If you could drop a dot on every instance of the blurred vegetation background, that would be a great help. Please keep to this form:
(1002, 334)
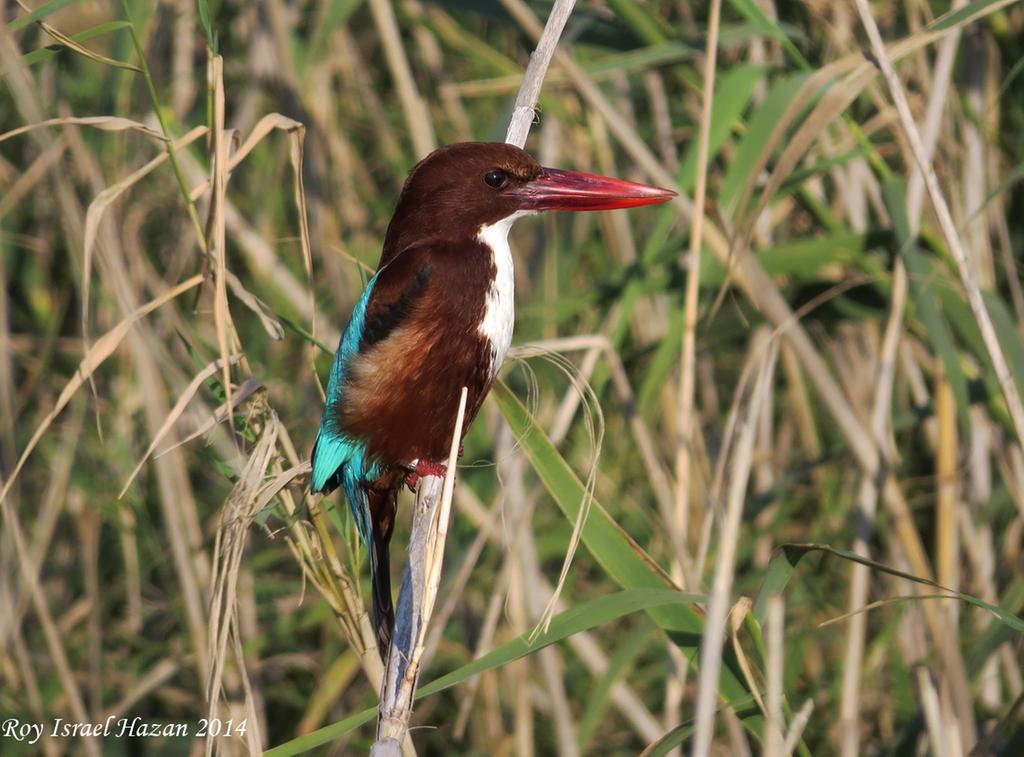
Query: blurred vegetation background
(176, 308)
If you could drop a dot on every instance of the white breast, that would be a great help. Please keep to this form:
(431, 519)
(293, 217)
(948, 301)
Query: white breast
(499, 305)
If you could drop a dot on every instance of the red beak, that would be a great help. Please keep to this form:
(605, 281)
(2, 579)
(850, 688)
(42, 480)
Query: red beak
(556, 189)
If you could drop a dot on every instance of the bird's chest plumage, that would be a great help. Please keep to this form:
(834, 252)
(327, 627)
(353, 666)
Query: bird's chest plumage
(499, 303)
(402, 392)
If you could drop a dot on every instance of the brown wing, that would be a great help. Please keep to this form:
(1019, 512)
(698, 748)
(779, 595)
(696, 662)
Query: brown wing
(421, 344)
(399, 287)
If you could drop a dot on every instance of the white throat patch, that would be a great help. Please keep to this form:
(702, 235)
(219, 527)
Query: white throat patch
(499, 306)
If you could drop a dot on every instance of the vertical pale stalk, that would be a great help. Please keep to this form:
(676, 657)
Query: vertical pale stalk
(932, 120)
(511, 469)
(774, 724)
(867, 505)
(687, 372)
(548, 661)
(718, 606)
(216, 238)
(51, 633)
(929, 698)
(849, 703)
(322, 565)
(956, 247)
(583, 644)
(431, 513)
(183, 88)
(951, 656)
(975, 136)
(417, 115)
(679, 525)
(947, 560)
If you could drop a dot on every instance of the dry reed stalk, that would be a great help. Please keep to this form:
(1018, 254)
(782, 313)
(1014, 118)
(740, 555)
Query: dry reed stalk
(237, 515)
(849, 706)
(88, 525)
(18, 653)
(431, 513)
(932, 710)
(774, 723)
(106, 123)
(584, 644)
(939, 89)
(751, 363)
(48, 514)
(342, 672)
(596, 346)
(258, 254)
(102, 349)
(517, 504)
(654, 83)
(178, 507)
(322, 565)
(951, 656)
(719, 602)
(216, 235)
(530, 607)
(431, 54)
(457, 585)
(177, 503)
(678, 522)
(1010, 268)
(692, 264)
(172, 417)
(183, 86)
(417, 115)
(524, 111)
(148, 682)
(488, 628)
(27, 180)
(947, 501)
(51, 633)
(949, 231)
(976, 134)
(175, 495)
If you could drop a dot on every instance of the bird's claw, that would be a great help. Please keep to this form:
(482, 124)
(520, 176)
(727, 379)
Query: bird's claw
(425, 468)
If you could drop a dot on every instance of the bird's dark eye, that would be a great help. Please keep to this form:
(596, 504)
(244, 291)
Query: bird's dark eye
(495, 179)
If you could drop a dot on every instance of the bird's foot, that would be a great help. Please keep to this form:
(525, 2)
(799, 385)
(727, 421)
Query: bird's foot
(424, 468)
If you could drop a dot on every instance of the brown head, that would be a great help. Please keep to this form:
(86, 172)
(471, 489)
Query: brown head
(458, 189)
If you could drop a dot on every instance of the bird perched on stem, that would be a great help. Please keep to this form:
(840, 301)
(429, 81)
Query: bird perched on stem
(437, 316)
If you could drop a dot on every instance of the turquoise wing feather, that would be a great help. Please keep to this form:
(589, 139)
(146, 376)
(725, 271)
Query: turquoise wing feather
(339, 459)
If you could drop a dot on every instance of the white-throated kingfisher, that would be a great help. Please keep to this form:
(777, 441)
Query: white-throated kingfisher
(437, 316)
